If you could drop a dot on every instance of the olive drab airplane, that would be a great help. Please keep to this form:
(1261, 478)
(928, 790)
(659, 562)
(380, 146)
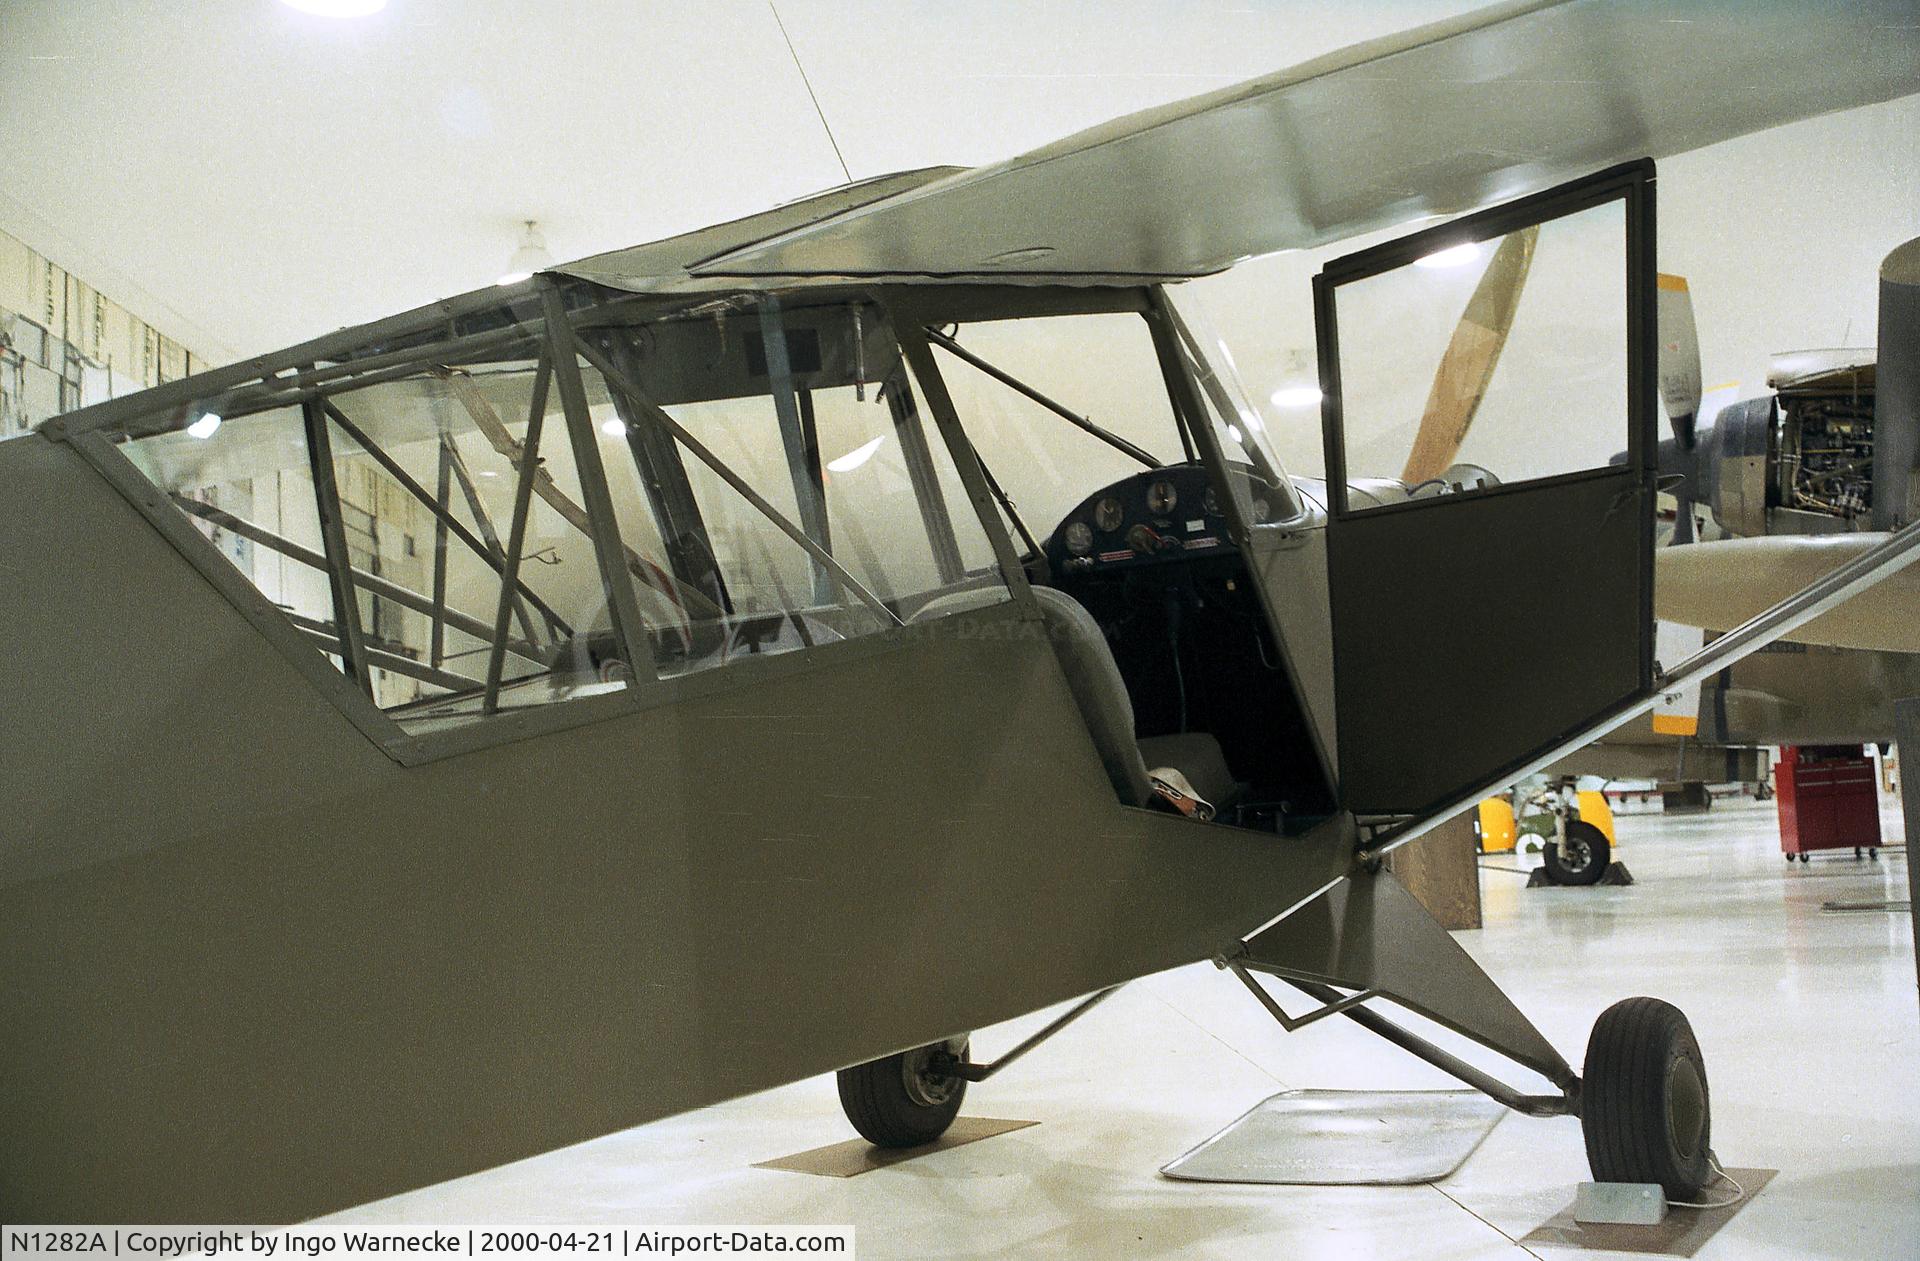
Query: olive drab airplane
(789, 646)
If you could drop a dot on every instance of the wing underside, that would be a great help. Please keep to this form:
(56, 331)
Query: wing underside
(1439, 120)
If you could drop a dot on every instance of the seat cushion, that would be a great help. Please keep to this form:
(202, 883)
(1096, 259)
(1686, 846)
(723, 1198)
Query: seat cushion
(1197, 755)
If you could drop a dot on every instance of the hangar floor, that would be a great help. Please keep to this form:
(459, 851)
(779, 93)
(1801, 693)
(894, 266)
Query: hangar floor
(1807, 1019)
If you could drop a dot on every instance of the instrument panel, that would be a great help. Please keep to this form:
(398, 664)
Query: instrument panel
(1154, 516)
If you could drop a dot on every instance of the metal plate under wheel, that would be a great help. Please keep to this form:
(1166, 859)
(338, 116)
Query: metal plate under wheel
(1345, 1138)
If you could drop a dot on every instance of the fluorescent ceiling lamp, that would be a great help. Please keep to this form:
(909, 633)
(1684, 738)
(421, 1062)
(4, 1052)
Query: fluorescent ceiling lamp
(1233, 431)
(1296, 396)
(856, 457)
(337, 8)
(206, 426)
(614, 428)
(1452, 256)
(530, 257)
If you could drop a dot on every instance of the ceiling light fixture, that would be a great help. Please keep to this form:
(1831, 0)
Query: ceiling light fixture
(206, 426)
(614, 428)
(1452, 256)
(337, 8)
(856, 457)
(530, 257)
(1296, 396)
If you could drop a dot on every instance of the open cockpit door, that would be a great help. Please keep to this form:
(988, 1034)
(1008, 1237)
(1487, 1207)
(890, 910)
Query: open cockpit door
(1489, 546)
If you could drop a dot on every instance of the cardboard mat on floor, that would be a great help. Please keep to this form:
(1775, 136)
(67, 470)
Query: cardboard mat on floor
(857, 1156)
(1681, 1235)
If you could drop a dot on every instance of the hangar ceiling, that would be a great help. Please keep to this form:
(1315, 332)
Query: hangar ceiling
(255, 175)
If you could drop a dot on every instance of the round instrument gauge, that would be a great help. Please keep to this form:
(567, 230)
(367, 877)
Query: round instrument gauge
(1108, 514)
(1079, 538)
(1161, 498)
(1211, 502)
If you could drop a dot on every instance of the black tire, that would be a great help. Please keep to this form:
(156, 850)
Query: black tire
(905, 1100)
(1591, 854)
(1644, 1106)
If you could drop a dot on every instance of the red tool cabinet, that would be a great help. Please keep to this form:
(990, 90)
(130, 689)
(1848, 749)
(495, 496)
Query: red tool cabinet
(1828, 799)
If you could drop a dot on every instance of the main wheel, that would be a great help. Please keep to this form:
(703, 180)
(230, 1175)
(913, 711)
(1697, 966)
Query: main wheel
(1643, 1102)
(908, 1099)
(1588, 858)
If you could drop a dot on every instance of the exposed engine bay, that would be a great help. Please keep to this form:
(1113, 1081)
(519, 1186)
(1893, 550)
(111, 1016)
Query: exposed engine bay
(1800, 460)
(1826, 442)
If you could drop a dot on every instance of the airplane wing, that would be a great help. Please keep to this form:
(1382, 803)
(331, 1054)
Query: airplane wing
(1721, 584)
(1438, 120)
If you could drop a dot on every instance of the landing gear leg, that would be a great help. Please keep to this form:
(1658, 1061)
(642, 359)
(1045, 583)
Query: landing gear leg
(1577, 853)
(1643, 1102)
(1581, 858)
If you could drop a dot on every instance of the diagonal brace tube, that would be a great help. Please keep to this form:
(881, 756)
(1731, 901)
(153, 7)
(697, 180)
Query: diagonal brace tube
(1061, 410)
(1293, 1024)
(1567, 1104)
(495, 554)
(443, 519)
(372, 583)
(658, 416)
(980, 1072)
(517, 532)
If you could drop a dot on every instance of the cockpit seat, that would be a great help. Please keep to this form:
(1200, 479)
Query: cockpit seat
(1197, 755)
(1101, 693)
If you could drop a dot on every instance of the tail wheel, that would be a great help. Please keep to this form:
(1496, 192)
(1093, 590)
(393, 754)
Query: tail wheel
(908, 1099)
(1587, 857)
(1643, 1102)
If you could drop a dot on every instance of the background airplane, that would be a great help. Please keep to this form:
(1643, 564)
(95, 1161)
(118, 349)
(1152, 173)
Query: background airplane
(1779, 489)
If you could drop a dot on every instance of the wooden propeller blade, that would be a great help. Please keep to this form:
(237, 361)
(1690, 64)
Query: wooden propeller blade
(1467, 367)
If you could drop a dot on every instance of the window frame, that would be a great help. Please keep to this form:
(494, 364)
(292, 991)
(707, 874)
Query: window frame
(1630, 183)
(918, 309)
(554, 326)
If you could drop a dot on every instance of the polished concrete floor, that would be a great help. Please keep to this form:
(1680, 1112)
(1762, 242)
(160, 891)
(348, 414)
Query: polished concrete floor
(1807, 1019)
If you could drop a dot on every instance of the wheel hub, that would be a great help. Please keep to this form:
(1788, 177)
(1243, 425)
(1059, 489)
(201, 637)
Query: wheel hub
(1686, 1106)
(927, 1071)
